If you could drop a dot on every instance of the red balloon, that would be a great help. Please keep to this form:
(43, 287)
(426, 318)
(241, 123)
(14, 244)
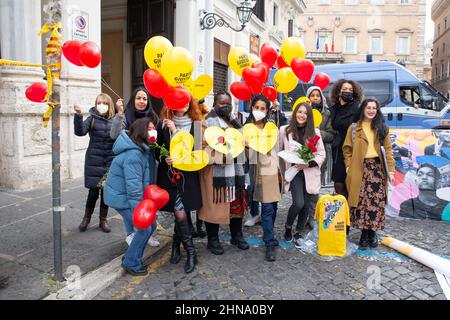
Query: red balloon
(155, 83)
(255, 77)
(281, 63)
(159, 196)
(176, 98)
(144, 214)
(268, 55)
(322, 80)
(241, 90)
(70, 50)
(36, 92)
(303, 68)
(266, 68)
(90, 54)
(270, 93)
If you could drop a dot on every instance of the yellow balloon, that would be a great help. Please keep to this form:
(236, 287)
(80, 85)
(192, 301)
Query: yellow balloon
(292, 48)
(200, 87)
(183, 157)
(238, 59)
(177, 66)
(285, 80)
(300, 100)
(154, 50)
(261, 140)
(317, 118)
(253, 58)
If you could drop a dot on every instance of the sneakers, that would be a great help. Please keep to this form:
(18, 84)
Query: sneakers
(153, 242)
(137, 273)
(251, 221)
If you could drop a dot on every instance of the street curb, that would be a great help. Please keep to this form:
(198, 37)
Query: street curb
(92, 283)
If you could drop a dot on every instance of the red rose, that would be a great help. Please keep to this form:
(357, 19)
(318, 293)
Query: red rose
(316, 139)
(221, 140)
(152, 139)
(313, 149)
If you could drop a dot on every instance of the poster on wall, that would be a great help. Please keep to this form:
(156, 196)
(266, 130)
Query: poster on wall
(421, 186)
(80, 25)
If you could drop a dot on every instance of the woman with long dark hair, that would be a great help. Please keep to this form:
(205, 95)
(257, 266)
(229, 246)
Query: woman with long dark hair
(367, 175)
(346, 96)
(306, 184)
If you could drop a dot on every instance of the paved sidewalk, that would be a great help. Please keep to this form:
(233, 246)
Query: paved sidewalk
(26, 246)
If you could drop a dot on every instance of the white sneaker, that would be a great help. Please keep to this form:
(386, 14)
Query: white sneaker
(129, 238)
(153, 242)
(251, 221)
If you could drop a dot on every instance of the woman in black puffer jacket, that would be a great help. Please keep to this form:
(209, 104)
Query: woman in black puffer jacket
(99, 154)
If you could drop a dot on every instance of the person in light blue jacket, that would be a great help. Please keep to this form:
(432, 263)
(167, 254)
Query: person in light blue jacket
(131, 171)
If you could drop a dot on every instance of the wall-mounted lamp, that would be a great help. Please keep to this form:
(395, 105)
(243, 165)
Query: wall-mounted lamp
(208, 20)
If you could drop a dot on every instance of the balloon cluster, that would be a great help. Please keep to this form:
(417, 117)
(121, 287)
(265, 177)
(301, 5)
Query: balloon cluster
(169, 76)
(291, 63)
(145, 212)
(82, 54)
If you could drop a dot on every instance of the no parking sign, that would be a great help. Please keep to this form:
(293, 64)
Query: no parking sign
(80, 26)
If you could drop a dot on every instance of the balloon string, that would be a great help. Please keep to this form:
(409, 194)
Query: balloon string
(109, 87)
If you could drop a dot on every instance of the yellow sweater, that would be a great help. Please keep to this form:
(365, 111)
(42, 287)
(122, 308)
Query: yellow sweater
(370, 134)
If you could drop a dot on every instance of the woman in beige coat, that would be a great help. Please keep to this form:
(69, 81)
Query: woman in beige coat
(367, 174)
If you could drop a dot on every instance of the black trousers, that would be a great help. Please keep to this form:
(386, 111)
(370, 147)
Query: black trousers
(93, 195)
(212, 229)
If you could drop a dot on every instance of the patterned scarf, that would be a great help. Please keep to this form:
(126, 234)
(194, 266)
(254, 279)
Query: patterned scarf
(182, 123)
(228, 178)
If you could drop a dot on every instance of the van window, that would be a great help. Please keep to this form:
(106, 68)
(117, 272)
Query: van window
(378, 89)
(410, 95)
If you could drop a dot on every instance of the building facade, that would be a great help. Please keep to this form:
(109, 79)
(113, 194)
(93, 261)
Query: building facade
(344, 31)
(440, 14)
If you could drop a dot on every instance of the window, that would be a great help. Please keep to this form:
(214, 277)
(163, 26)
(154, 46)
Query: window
(324, 1)
(322, 41)
(350, 44)
(258, 10)
(403, 45)
(376, 45)
(436, 74)
(275, 15)
(437, 52)
(376, 2)
(439, 29)
(351, 2)
(448, 68)
(442, 71)
(445, 24)
(290, 28)
(443, 48)
(379, 89)
(405, 1)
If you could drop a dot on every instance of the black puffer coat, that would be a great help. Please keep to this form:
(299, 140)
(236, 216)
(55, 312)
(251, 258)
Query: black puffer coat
(99, 153)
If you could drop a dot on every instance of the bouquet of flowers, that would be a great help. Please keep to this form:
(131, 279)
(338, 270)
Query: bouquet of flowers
(163, 152)
(306, 152)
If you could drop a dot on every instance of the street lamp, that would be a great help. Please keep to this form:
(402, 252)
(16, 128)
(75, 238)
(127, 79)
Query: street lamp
(208, 20)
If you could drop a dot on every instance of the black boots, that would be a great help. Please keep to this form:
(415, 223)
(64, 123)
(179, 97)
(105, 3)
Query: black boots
(175, 256)
(364, 240)
(373, 239)
(103, 224)
(186, 238)
(270, 253)
(86, 219)
(237, 238)
(200, 231)
(214, 246)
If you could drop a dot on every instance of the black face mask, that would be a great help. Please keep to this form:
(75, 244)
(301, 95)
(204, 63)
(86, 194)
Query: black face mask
(224, 111)
(347, 96)
(317, 106)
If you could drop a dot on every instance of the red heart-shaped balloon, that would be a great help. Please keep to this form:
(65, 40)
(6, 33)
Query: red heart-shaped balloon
(144, 214)
(268, 55)
(303, 68)
(270, 93)
(254, 75)
(159, 196)
(90, 54)
(71, 50)
(241, 90)
(281, 63)
(322, 80)
(176, 98)
(155, 83)
(36, 92)
(264, 66)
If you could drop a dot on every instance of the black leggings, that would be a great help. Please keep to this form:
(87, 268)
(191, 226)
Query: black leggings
(92, 198)
(303, 203)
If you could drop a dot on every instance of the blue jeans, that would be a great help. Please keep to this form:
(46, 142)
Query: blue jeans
(133, 256)
(127, 222)
(268, 215)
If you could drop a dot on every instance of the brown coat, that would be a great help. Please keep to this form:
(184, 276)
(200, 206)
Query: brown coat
(267, 186)
(354, 160)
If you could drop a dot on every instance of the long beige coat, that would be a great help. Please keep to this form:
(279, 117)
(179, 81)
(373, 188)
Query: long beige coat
(267, 184)
(354, 154)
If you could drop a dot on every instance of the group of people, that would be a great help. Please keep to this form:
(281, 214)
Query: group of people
(224, 190)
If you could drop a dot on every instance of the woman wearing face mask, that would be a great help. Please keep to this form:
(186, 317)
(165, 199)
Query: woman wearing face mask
(345, 96)
(184, 193)
(263, 171)
(99, 154)
(222, 183)
(305, 186)
(132, 170)
(367, 177)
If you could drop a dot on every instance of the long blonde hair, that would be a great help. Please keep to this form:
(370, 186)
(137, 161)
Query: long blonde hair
(106, 98)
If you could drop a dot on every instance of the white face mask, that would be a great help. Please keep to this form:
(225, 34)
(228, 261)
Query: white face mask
(153, 133)
(102, 108)
(258, 115)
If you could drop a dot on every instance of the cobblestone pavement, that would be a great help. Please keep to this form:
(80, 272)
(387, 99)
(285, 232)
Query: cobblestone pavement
(295, 274)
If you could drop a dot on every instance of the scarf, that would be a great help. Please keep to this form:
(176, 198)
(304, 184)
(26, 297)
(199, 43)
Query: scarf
(183, 123)
(228, 178)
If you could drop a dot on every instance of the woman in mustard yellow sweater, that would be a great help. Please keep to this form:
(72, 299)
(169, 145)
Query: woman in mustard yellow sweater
(367, 175)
